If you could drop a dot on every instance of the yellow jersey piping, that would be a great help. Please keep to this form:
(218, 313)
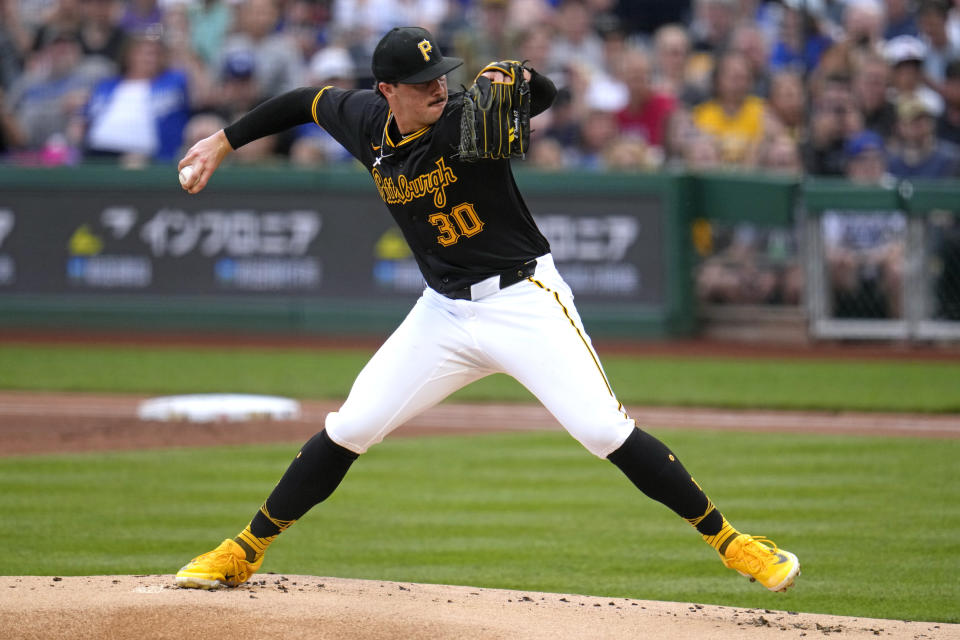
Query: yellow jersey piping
(313, 107)
(413, 136)
(583, 339)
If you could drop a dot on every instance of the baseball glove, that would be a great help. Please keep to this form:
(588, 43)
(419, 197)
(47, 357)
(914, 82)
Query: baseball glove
(496, 115)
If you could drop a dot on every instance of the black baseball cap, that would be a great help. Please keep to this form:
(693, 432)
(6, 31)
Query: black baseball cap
(410, 55)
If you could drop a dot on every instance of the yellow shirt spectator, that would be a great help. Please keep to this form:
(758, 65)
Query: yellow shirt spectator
(738, 133)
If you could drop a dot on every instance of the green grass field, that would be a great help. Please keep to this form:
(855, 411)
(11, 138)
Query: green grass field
(874, 520)
(865, 385)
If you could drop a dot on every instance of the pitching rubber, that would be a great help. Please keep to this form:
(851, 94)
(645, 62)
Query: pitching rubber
(191, 582)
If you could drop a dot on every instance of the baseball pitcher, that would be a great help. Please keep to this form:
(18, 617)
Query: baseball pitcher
(494, 301)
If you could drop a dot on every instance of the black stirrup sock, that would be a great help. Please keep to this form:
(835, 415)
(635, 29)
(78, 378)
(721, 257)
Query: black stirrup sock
(309, 480)
(658, 473)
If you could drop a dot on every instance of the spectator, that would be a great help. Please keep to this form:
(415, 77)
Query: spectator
(181, 56)
(943, 232)
(199, 127)
(941, 48)
(905, 55)
(630, 154)
(779, 154)
(47, 99)
(863, 23)
(576, 41)
(426, 13)
(765, 15)
(748, 40)
(713, 24)
(948, 124)
(900, 20)
(278, 66)
(614, 40)
(787, 104)
(100, 33)
(866, 159)
(547, 155)
(358, 24)
(710, 29)
(748, 264)
(865, 264)
(701, 153)
(482, 39)
(140, 114)
(733, 116)
(859, 38)
(238, 89)
(864, 251)
(744, 263)
(534, 45)
(11, 137)
(526, 14)
(597, 132)
(870, 82)
(647, 112)
(917, 151)
(801, 41)
(305, 21)
(953, 20)
(671, 51)
(834, 119)
(64, 16)
(603, 90)
(13, 43)
(140, 16)
(210, 21)
(332, 66)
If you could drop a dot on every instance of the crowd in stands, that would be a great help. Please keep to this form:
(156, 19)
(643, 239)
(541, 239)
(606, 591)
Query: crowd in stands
(862, 88)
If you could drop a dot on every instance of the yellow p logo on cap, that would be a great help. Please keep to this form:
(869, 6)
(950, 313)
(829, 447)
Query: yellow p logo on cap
(425, 48)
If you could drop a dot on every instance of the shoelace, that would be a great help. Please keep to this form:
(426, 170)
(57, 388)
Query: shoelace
(755, 553)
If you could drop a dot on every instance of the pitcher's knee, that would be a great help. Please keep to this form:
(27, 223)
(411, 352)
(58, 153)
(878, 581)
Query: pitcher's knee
(602, 440)
(355, 435)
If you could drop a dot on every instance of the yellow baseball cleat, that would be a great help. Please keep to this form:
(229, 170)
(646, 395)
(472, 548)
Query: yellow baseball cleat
(224, 566)
(759, 559)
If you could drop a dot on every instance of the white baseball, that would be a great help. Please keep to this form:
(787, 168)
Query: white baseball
(186, 175)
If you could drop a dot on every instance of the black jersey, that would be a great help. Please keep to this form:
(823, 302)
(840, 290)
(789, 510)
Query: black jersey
(464, 221)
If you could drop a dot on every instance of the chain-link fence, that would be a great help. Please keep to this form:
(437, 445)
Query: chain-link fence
(883, 263)
(864, 261)
(846, 260)
(746, 264)
(942, 266)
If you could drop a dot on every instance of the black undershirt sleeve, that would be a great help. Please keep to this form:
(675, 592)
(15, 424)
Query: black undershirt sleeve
(273, 116)
(295, 108)
(542, 93)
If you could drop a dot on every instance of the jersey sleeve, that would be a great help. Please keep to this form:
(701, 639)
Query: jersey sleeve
(273, 116)
(347, 115)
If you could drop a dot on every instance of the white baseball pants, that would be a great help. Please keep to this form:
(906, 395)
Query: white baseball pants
(530, 331)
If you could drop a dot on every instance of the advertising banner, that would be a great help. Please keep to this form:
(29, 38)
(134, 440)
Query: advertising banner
(342, 245)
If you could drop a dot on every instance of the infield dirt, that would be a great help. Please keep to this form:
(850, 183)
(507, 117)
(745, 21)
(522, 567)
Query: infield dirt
(289, 606)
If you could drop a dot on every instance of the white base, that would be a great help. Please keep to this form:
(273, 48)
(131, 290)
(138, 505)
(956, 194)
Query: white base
(219, 407)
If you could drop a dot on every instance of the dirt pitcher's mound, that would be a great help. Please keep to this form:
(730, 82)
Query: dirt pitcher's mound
(278, 606)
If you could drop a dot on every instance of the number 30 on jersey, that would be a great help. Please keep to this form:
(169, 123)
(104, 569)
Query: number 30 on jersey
(461, 222)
